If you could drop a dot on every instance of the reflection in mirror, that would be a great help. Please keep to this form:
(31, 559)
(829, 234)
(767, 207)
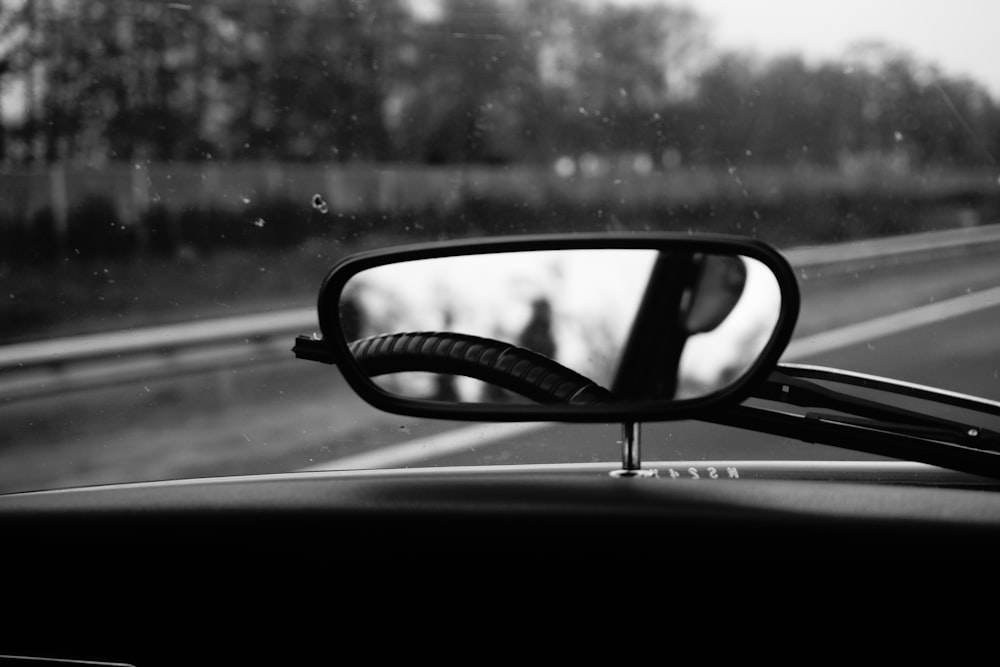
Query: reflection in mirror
(563, 326)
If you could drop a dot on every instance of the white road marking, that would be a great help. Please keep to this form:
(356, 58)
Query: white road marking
(432, 446)
(483, 434)
(891, 324)
(890, 246)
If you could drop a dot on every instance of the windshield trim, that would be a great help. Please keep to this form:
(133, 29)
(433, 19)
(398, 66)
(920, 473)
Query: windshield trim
(749, 470)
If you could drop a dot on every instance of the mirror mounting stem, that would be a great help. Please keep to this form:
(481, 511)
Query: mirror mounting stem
(631, 458)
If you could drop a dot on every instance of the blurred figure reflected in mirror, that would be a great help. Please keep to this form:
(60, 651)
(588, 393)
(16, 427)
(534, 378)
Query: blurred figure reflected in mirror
(537, 334)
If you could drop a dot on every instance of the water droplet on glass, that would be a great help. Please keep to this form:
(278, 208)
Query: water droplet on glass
(565, 167)
(319, 204)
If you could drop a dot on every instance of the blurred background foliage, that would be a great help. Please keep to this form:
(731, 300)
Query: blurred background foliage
(152, 130)
(480, 81)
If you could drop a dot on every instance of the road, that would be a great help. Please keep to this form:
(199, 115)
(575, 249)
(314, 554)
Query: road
(293, 415)
(966, 358)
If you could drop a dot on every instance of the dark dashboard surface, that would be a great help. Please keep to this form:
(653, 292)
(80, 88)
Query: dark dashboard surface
(520, 508)
(224, 569)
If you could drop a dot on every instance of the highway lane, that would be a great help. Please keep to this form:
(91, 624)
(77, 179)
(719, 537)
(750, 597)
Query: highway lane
(293, 414)
(959, 354)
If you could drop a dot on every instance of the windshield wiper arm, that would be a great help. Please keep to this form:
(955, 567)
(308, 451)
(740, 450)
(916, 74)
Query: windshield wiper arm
(786, 385)
(880, 429)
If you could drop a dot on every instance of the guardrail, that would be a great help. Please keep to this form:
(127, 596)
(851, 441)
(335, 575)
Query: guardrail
(31, 370)
(45, 368)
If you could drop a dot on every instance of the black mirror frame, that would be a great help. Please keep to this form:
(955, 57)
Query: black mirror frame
(333, 339)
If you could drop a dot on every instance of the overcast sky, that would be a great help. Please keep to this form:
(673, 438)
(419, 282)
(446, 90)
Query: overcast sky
(961, 36)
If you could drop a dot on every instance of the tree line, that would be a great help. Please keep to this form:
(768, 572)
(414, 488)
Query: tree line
(479, 81)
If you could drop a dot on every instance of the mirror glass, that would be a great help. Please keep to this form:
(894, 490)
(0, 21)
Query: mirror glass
(573, 326)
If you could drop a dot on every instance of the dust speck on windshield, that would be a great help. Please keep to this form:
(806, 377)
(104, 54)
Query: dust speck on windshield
(319, 204)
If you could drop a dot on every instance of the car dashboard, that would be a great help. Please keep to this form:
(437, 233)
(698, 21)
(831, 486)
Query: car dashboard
(152, 573)
(511, 509)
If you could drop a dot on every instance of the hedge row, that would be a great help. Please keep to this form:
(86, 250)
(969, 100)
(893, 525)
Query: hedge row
(94, 228)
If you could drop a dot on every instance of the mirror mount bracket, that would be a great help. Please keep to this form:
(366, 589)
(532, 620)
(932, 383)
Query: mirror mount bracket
(312, 348)
(631, 457)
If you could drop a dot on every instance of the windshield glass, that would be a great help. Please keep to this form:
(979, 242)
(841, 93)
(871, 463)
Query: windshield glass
(176, 179)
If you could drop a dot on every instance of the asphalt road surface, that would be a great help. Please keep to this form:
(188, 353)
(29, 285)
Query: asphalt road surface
(296, 415)
(960, 354)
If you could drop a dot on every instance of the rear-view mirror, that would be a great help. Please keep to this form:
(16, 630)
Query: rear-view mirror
(572, 328)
